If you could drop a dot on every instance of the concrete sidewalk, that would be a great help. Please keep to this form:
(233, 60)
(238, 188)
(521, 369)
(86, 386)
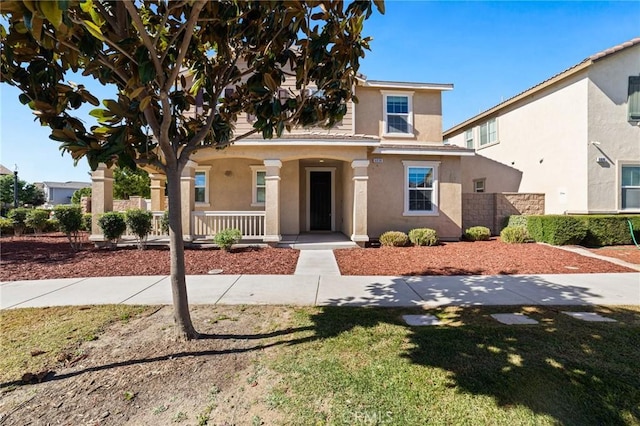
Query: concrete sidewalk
(428, 291)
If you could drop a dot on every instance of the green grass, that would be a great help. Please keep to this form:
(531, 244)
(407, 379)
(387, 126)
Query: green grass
(51, 334)
(365, 366)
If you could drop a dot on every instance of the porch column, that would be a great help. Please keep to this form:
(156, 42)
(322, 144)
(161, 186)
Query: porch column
(272, 202)
(360, 234)
(157, 192)
(101, 198)
(188, 196)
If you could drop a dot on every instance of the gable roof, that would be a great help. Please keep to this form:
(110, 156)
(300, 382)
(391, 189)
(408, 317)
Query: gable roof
(585, 63)
(5, 171)
(67, 185)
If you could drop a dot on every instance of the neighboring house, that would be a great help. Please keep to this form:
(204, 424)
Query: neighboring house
(574, 137)
(60, 192)
(5, 171)
(383, 167)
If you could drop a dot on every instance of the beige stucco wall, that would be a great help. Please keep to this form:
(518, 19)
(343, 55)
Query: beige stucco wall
(347, 199)
(386, 198)
(619, 139)
(427, 114)
(498, 177)
(544, 137)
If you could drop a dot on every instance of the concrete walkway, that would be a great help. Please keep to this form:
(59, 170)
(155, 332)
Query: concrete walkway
(318, 289)
(317, 262)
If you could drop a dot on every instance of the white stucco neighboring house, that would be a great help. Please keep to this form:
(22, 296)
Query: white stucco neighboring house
(574, 137)
(61, 192)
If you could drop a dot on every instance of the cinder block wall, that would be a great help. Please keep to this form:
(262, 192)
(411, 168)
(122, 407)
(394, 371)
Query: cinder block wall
(490, 210)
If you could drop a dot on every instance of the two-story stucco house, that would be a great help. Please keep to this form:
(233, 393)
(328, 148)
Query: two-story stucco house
(574, 137)
(384, 167)
(61, 192)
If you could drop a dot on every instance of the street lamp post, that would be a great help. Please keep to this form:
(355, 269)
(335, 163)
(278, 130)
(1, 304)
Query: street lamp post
(15, 187)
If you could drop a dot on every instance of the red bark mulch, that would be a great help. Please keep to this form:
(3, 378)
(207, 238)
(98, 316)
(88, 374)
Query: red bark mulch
(469, 258)
(629, 254)
(33, 258)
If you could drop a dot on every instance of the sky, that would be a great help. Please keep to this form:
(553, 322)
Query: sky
(489, 51)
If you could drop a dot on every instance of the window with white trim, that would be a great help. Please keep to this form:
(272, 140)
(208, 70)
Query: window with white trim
(633, 99)
(201, 187)
(420, 188)
(478, 185)
(398, 114)
(468, 138)
(630, 187)
(488, 132)
(258, 185)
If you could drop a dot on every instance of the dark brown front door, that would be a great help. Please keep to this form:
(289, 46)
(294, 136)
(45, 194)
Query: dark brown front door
(320, 201)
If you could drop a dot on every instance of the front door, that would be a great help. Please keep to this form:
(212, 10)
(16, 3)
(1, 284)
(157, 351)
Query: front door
(319, 201)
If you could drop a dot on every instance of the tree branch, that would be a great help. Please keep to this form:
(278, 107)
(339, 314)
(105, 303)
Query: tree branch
(146, 40)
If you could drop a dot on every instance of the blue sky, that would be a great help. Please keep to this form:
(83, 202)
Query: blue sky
(489, 50)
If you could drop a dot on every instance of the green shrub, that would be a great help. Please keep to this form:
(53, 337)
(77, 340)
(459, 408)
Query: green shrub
(556, 229)
(477, 233)
(516, 220)
(227, 238)
(86, 221)
(52, 225)
(164, 223)
(113, 226)
(6, 226)
(139, 222)
(607, 230)
(423, 237)
(18, 217)
(394, 239)
(70, 222)
(515, 234)
(37, 219)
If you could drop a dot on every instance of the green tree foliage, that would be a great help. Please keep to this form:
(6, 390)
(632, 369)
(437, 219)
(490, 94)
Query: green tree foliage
(69, 220)
(78, 194)
(129, 182)
(162, 58)
(28, 193)
(37, 220)
(113, 226)
(140, 223)
(18, 217)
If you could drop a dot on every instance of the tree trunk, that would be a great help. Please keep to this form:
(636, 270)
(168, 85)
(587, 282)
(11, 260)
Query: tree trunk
(182, 317)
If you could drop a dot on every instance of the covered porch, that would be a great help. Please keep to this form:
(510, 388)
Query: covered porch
(314, 193)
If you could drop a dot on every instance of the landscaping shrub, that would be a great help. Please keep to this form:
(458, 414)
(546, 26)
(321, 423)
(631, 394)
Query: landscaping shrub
(113, 226)
(423, 237)
(86, 221)
(227, 238)
(607, 230)
(70, 222)
(515, 234)
(556, 229)
(516, 220)
(6, 226)
(52, 225)
(139, 222)
(477, 233)
(37, 219)
(394, 239)
(164, 223)
(18, 217)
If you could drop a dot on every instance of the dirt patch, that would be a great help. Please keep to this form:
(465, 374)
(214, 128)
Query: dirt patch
(137, 373)
(469, 258)
(33, 258)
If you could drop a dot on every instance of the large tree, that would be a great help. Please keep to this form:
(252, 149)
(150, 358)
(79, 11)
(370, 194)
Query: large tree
(167, 58)
(28, 193)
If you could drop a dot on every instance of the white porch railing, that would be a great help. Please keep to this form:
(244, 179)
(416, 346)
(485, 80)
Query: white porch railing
(156, 226)
(209, 223)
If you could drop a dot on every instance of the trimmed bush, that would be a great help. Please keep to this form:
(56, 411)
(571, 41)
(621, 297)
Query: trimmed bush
(86, 221)
(227, 238)
(516, 220)
(52, 225)
(556, 229)
(477, 233)
(607, 230)
(37, 219)
(140, 223)
(113, 226)
(18, 217)
(394, 239)
(70, 222)
(164, 223)
(423, 237)
(515, 234)
(6, 226)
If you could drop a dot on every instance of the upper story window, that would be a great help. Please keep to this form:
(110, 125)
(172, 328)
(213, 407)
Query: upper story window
(421, 188)
(633, 100)
(468, 138)
(478, 185)
(398, 114)
(489, 132)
